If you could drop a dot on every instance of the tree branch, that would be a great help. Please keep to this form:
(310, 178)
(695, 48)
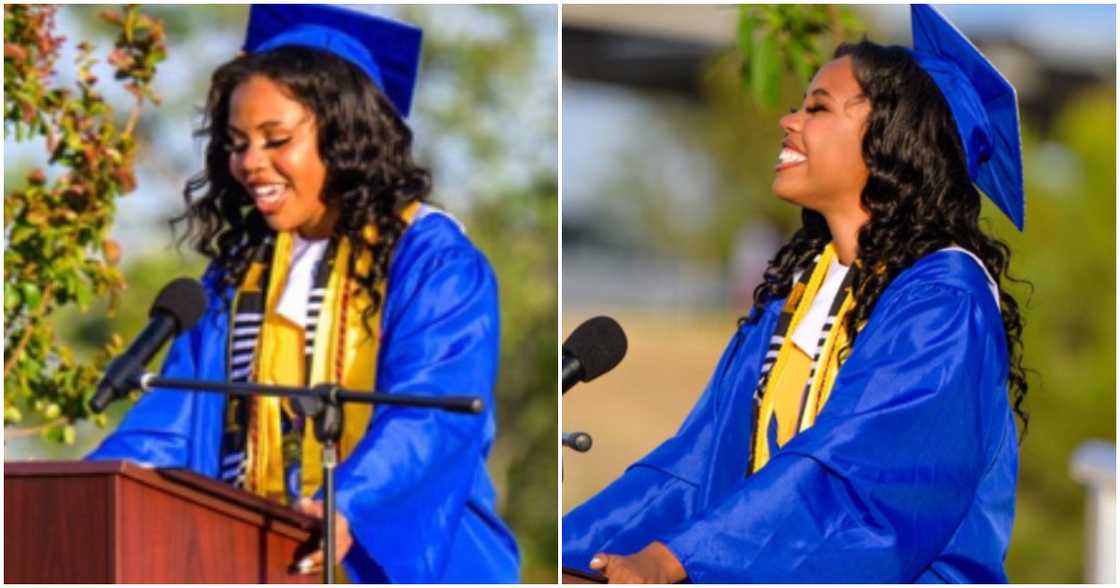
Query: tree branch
(133, 117)
(47, 295)
(21, 432)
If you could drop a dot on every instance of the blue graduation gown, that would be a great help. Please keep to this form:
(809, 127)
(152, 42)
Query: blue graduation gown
(415, 489)
(908, 474)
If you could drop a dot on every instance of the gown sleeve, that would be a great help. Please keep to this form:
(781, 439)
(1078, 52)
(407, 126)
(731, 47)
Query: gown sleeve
(877, 487)
(405, 486)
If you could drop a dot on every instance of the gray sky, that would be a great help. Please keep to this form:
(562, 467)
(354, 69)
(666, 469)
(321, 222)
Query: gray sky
(1067, 32)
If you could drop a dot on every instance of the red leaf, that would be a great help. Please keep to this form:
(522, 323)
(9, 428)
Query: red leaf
(112, 251)
(126, 178)
(120, 59)
(15, 53)
(110, 16)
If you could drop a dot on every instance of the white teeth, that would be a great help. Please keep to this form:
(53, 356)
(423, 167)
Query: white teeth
(268, 193)
(790, 156)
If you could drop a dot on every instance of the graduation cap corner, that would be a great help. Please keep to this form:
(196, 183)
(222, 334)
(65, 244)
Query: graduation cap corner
(984, 104)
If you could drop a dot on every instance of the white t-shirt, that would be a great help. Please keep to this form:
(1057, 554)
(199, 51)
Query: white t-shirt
(305, 258)
(808, 332)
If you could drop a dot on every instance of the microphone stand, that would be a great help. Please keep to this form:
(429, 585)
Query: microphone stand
(578, 441)
(323, 404)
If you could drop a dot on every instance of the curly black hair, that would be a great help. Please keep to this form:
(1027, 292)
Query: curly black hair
(362, 140)
(918, 195)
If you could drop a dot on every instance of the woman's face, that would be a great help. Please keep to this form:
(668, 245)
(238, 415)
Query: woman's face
(821, 164)
(274, 155)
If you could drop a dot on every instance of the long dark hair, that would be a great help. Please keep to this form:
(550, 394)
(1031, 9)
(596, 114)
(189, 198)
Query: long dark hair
(919, 197)
(362, 140)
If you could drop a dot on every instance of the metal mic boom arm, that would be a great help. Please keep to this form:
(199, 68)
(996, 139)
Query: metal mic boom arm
(464, 404)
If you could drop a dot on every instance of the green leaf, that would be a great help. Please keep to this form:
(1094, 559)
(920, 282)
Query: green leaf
(765, 71)
(29, 363)
(748, 24)
(773, 17)
(11, 299)
(800, 62)
(84, 294)
(12, 414)
(52, 434)
(31, 295)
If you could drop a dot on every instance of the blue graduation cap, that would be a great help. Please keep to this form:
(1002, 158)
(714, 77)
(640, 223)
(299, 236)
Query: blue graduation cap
(983, 103)
(387, 50)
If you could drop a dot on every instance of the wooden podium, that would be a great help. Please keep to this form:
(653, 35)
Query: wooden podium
(112, 521)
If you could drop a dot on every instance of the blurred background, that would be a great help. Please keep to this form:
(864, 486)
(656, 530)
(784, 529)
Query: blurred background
(668, 224)
(485, 122)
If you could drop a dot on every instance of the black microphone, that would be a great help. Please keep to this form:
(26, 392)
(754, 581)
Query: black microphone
(177, 308)
(592, 350)
(579, 441)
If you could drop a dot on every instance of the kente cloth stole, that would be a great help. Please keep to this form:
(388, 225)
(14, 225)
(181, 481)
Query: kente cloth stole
(243, 342)
(793, 388)
(245, 328)
(281, 454)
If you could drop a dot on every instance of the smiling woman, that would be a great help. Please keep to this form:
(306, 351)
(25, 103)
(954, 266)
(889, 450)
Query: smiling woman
(821, 166)
(328, 266)
(860, 426)
(277, 158)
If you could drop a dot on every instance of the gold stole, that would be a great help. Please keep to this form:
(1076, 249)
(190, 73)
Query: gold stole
(789, 395)
(344, 352)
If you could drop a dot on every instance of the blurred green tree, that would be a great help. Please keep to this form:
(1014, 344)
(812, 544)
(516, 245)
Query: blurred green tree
(515, 223)
(1069, 254)
(788, 39)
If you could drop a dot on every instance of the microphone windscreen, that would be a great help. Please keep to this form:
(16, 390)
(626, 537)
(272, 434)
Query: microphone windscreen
(599, 344)
(183, 299)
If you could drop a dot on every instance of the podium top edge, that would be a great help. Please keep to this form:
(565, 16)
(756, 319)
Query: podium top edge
(172, 479)
(70, 468)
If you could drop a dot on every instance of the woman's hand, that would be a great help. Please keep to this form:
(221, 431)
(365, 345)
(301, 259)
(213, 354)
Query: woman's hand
(654, 564)
(313, 564)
